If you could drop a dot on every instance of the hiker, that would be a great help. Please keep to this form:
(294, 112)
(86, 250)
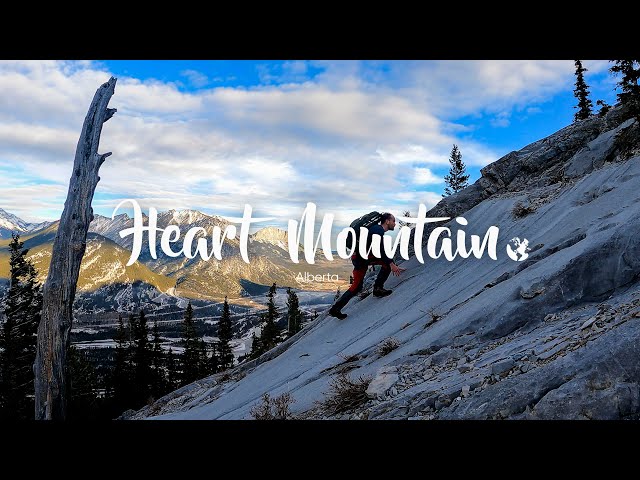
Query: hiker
(360, 265)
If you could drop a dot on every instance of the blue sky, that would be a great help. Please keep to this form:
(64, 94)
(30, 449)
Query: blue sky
(351, 136)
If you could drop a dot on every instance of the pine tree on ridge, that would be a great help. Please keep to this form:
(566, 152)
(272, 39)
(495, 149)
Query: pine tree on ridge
(581, 92)
(457, 179)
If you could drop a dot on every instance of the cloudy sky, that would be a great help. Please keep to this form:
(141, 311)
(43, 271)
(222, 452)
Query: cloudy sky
(351, 136)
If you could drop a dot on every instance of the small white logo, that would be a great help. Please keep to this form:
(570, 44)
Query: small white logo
(519, 251)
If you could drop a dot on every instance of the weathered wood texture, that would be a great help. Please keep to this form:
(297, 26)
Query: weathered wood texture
(68, 249)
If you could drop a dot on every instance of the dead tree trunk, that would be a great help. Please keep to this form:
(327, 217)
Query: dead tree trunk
(68, 249)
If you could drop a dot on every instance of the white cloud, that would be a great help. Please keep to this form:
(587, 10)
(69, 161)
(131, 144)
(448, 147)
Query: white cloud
(287, 72)
(195, 78)
(424, 176)
(501, 120)
(403, 154)
(20, 136)
(436, 154)
(310, 111)
(295, 68)
(595, 66)
(32, 203)
(454, 88)
(344, 139)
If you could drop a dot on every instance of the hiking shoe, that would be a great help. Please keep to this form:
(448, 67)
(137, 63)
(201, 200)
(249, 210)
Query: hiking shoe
(334, 312)
(381, 292)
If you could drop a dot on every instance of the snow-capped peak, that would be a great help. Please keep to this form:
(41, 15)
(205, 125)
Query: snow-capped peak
(11, 222)
(183, 217)
(187, 217)
(32, 227)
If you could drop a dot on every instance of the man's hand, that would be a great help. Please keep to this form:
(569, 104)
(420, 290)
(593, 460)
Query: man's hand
(396, 270)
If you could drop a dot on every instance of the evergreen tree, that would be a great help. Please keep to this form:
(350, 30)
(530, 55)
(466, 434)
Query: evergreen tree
(335, 297)
(83, 385)
(582, 94)
(214, 360)
(22, 306)
(256, 348)
(142, 361)
(157, 357)
(172, 372)
(294, 313)
(121, 376)
(190, 356)
(457, 178)
(628, 83)
(131, 344)
(270, 333)
(203, 361)
(402, 223)
(224, 336)
(604, 108)
(132, 397)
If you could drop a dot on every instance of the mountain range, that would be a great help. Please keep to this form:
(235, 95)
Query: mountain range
(106, 283)
(11, 223)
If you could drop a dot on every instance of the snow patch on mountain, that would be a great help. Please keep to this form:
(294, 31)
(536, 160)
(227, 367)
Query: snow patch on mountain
(185, 217)
(12, 223)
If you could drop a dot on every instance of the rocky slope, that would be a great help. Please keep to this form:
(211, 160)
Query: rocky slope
(554, 336)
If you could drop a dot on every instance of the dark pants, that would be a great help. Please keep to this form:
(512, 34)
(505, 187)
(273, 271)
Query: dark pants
(360, 266)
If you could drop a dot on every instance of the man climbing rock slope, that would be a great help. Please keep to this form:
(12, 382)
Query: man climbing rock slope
(360, 265)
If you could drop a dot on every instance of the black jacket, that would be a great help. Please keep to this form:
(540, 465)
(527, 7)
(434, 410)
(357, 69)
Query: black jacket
(376, 229)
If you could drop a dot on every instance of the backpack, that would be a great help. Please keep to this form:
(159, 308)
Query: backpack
(366, 221)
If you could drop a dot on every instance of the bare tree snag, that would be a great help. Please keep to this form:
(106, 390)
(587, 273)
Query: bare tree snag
(68, 249)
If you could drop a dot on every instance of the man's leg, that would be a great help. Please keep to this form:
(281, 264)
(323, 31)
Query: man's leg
(378, 285)
(356, 286)
(382, 276)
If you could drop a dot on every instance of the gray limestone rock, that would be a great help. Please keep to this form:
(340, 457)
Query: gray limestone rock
(443, 355)
(381, 384)
(600, 380)
(502, 366)
(465, 368)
